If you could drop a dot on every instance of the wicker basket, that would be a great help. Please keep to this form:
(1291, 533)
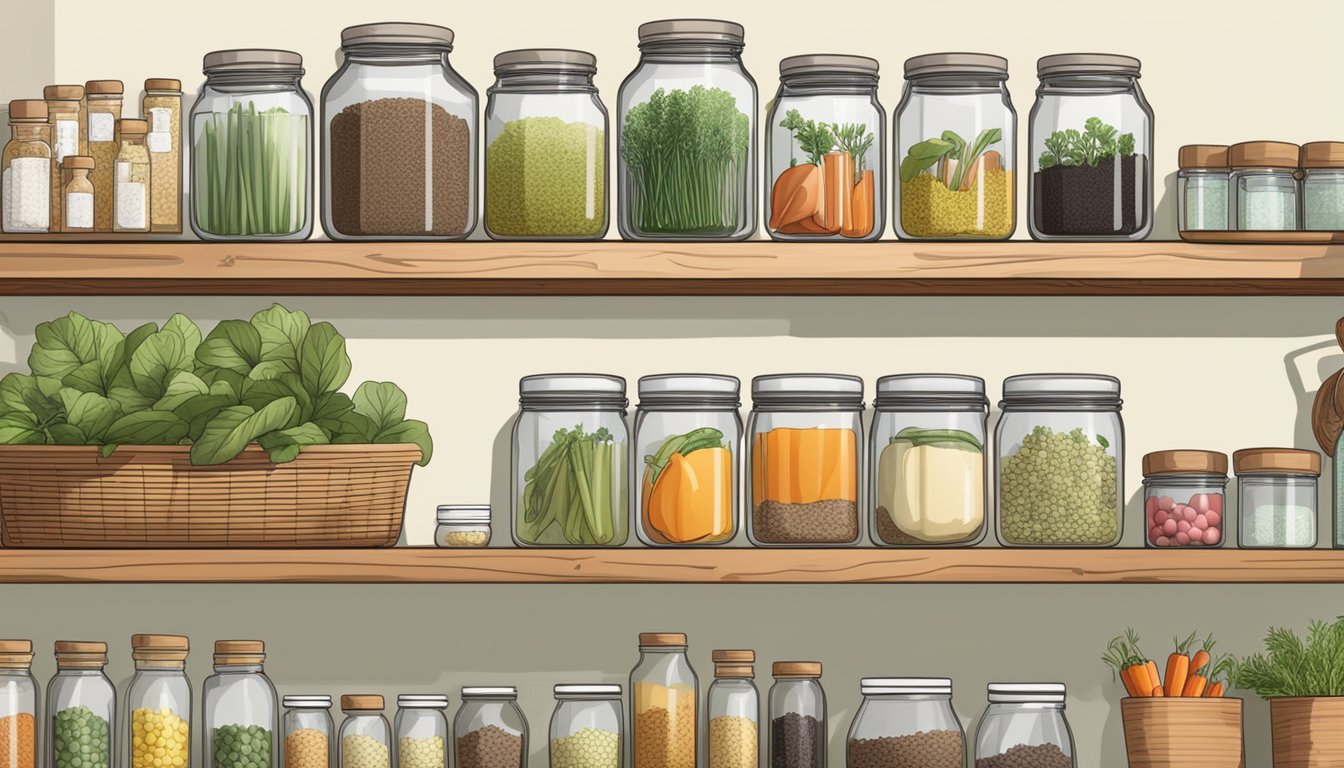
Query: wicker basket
(1180, 732)
(152, 496)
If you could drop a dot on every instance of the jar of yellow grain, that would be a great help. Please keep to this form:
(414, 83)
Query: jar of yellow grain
(365, 737)
(159, 702)
(308, 729)
(422, 731)
(956, 134)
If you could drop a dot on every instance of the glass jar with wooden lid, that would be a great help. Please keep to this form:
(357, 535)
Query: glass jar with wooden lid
(161, 107)
(81, 708)
(103, 101)
(664, 694)
(26, 169)
(1323, 186)
(1276, 497)
(240, 708)
(65, 115)
(733, 711)
(18, 705)
(131, 194)
(1183, 494)
(1202, 185)
(1266, 191)
(365, 738)
(797, 715)
(77, 194)
(159, 703)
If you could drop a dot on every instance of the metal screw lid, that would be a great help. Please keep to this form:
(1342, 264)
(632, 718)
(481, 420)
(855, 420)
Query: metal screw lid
(397, 33)
(252, 60)
(956, 64)
(691, 30)
(1087, 64)
(819, 63)
(545, 60)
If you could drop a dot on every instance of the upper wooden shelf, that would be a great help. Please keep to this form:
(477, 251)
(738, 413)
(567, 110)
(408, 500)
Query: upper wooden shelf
(642, 565)
(50, 267)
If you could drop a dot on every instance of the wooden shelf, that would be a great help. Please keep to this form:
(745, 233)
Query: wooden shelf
(35, 266)
(641, 565)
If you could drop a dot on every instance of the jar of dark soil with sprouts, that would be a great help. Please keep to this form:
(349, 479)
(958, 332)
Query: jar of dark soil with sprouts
(686, 135)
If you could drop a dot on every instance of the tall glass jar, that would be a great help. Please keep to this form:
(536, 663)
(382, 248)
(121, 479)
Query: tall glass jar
(927, 461)
(1276, 497)
(687, 135)
(797, 716)
(732, 712)
(81, 708)
(1060, 447)
(1323, 186)
(906, 721)
(490, 730)
(545, 148)
(258, 95)
(1202, 185)
(365, 739)
(65, 115)
(308, 730)
(664, 693)
(1024, 725)
(421, 731)
(18, 705)
(162, 109)
(569, 462)
(159, 703)
(1091, 150)
(130, 196)
(825, 152)
(688, 436)
(805, 453)
(956, 146)
(398, 137)
(1264, 177)
(240, 708)
(1183, 494)
(103, 101)
(586, 727)
(27, 163)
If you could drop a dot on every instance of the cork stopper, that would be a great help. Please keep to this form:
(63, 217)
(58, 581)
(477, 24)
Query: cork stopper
(28, 109)
(662, 639)
(362, 702)
(1323, 154)
(134, 127)
(1213, 156)
(239, 652)
(163, 84)
(734, 663)
(16, 654)
(63, 92)
(160, 650)
(104, 88)
(1185, 462)
(80, 654)
(787, 669)
(1276, 461)
(78, 161)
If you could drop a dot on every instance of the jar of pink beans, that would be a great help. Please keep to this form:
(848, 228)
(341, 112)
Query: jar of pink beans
(1183, 494)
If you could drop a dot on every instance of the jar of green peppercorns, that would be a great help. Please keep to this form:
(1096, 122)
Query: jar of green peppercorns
(240, 708)
(1060, 444)
(81, 708)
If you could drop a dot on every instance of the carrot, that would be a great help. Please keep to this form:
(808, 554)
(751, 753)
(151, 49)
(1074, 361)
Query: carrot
(1158, 692)
(1199, 661)
(1141, 680)
(1127, 678)
(837, 183)
(1194, 687)
(860, 223)
(1152, 672)
(1215, 691)
(1178, 667)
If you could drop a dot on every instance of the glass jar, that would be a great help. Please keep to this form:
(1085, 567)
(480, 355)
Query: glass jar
(689, 435)
(733, 712)
(586, 727)
(162, 109)
(240, 708)
(927, 461)
(797, 716)
(692, 178)
(1323, 186)
(1060, 445)
(256, 94)
(806, 434)
(398, 138)
(1024, 725)
(956, 143)
(826, 150)
(1276, 497)
(102, 106)
(131, 200)
(159, 703)
(1091, 150)
(422, 731)
(664, 693)
(65, 116)
(1202, 185)
(18, 705)
(1183, 494)
(569, 442)
(463, 525)
(1264, 175)
(26, 164)
(490, 730)
(308, 730)
(77, 194)
(81, 707)
(545, 148)
(906, 721)
(365, 739)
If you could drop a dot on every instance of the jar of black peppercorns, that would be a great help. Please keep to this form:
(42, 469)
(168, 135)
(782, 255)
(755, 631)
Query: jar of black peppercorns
(797, 716)
(1024, 727)
(906, 721)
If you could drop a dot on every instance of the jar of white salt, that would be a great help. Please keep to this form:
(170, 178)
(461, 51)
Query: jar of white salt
(26, 169)
(77, 193)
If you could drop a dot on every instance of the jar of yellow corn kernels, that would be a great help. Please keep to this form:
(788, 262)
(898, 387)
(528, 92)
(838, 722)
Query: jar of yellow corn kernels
(159, 703)
(365, 737)
(463, 525)
(308, 729)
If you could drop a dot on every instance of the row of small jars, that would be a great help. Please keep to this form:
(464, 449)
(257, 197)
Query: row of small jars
(1261, 186)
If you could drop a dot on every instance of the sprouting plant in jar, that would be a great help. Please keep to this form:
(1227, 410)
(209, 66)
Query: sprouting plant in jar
(1096, 142)
(958, 163)
(1085, 178)
(941, 184)
(833, 192)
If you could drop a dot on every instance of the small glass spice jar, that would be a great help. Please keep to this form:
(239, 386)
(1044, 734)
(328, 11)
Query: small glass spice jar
(131, 199)
(1024, 725)
(906, 721)
(26, 169)
(161, 107)
(797, 711)
(1264, 178)
(733, 712)
(159, 703)
(77, 194)
(239, 707)
(81, 708)
(1202, 185)
(421, 731)
(489, 730)
(1323, 186)
(1276, 497)
(65, 115)
(463, 526)
(365, 739)
(1183, 495)
(308, 731)
(18, 705)
(103, 101)
(586, 727)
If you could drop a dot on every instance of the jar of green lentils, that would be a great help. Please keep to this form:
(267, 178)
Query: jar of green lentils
(81, 708)
(240, 708)
(1060, 444)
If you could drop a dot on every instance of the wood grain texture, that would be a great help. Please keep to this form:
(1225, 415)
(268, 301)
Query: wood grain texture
(621, 268)
(641, 565)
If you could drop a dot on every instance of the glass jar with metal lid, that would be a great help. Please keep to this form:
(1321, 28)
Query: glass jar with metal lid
(490, 730)
(365, 739)
(1024, 725)
(398, 137)
(1276, 497)
(689, 435)
(1202, 185)
(26, 168)
(1264, 176)
(569, 461)
(545, 148)
(906, 721)
(1060, 447)
(797, 707)
(927, 461)
(159, 703)
(732, 712)
(18, 704)
(586, 727)
(308, 730)
(251, 98)
(463, 525)
(81, 708)
(826, 150)
(956, 146)
(1323, 186)
(664, 696)
(240, 708)
(1183, 494)
(421, 731)
(1091, 150)
(805, 454)
(687, 135)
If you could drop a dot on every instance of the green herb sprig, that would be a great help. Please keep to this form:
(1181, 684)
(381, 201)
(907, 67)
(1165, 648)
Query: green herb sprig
(1098, 141)
(1293, 666)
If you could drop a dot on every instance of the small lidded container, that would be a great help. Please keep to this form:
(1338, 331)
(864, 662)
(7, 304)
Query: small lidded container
(1266, 189)
(797, 710)
(81, 708)
(1024, 725)
(77, 192)
(162, 108)
(733, 712)
(159, 703)
(1323, 186)
(239, 707)
(463, 526)
(1276, 497)
(1202, 185)
(365, 737)
(586, 728)
(65, 115)
(18, 704)
(490, 730)
(906, 721)
(131, 194)
(26, 166)
(421, 731)
(308, 730)
(103, 102)
(664, 696)
(1183, 494)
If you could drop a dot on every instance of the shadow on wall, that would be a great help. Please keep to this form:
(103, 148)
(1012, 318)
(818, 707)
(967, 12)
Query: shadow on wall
(1165, 222)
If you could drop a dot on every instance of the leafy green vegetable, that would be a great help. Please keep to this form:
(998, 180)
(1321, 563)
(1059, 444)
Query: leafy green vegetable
(1291, 667)
(815, 139)
(943, 438)
(854, 139)
(953, 156)
(1096, 142)
(273, 381)
(570, 488)
(704, 437)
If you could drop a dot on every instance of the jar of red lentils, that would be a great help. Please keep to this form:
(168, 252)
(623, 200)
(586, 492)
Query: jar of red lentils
(1183, 495)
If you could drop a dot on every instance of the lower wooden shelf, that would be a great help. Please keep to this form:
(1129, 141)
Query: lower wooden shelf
(685, 566)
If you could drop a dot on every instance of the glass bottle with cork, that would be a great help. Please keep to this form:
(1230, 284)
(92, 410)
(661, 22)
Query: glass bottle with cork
(77, 194)
(103, 102)
(663, 695)
(81, 707)
(797, 716)
(240, 708)
(161, 107)
(308, 730)
(159, 702)
(26, 168)
(65, 115)
(733, 711)
(131, 199)
(18, 705)
(365, 737)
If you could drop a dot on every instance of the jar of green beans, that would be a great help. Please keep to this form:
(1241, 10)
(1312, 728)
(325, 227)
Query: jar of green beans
(252, 159)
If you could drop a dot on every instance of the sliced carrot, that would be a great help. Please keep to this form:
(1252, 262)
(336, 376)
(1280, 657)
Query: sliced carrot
(1200, 660)
(860, 224)
(1215, 691)
(1194, 687)
(1142, 685)
(1152, 672)
(1178, 668)
(1158, 692)
(837, 185)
